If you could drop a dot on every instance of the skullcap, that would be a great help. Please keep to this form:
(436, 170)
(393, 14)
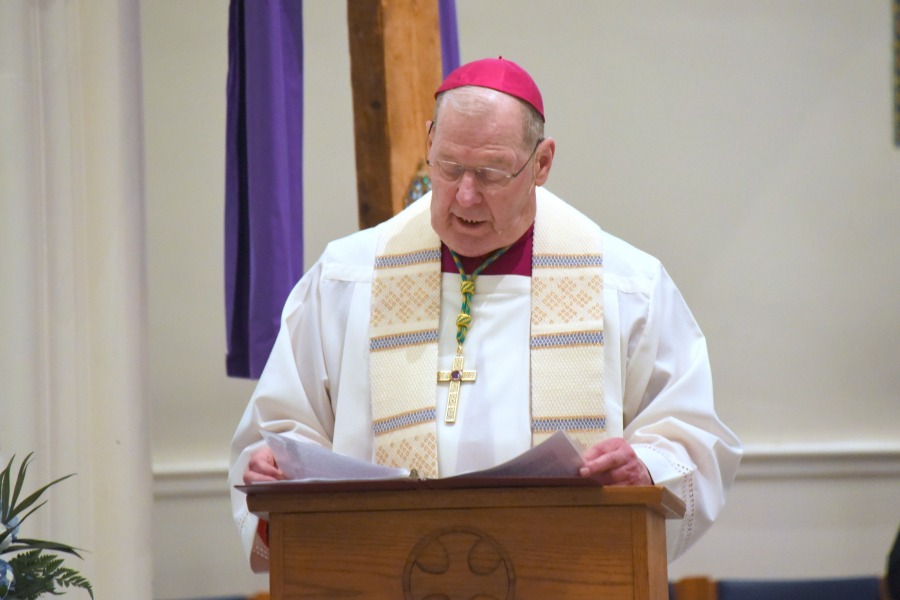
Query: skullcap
(497, 74)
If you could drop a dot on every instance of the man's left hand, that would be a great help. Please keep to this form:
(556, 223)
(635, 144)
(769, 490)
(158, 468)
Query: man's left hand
(613, 462)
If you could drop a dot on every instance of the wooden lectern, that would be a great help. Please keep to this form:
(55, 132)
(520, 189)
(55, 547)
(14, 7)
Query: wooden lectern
(463, 539)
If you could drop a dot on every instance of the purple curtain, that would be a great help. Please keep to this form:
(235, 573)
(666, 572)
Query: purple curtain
(263, 175)
(263, 172)
(449, 35)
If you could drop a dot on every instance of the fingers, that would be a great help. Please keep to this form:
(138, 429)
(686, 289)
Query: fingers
(614, 462)
(262, 467)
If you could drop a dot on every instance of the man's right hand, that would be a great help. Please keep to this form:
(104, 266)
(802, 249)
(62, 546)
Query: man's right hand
(262, 467)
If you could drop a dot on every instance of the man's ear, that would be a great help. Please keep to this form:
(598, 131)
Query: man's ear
(544, 161)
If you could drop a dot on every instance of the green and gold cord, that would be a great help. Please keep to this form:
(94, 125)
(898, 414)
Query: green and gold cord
(467, 287)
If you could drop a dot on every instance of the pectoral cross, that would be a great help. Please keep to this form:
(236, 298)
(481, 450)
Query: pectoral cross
(455, 377)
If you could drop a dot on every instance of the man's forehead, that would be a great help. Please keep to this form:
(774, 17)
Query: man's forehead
(483, 117)
(474, 100)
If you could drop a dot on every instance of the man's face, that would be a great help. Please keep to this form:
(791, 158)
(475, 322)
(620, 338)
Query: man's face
(471, 219)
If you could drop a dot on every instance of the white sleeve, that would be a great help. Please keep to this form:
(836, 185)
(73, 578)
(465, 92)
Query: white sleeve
(292, 396)
(669, 416)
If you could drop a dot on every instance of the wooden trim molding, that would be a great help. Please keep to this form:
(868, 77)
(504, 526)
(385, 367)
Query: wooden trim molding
(190, 479)
(816, 460)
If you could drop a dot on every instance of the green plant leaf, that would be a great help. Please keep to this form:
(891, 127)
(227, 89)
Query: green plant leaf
(20, 478)
(33, 498)
(69, 578)
(22, 520)
(28, 544)
(38, 574)
(33, 572)
(4, 491)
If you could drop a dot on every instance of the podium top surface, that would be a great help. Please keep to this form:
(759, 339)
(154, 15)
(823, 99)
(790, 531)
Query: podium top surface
(457, 492)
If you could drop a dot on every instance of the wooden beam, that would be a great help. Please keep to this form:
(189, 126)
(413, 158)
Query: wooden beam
(395, 66)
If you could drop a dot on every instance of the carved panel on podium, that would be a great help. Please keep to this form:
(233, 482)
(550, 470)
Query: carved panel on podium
(459, 562)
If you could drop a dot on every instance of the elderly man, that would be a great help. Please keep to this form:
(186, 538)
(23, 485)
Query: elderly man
(485, 317)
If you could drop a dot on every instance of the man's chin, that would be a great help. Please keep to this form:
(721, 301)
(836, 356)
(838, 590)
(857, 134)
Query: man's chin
(471, 248)
(468, 240)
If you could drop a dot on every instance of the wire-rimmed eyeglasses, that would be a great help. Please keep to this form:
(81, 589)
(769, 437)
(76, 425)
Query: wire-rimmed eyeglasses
(486, 176)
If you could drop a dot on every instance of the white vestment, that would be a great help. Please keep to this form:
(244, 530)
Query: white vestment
(658, 387)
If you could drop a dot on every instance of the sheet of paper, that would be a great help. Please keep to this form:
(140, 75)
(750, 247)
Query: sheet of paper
(557, 456)
(307, 462)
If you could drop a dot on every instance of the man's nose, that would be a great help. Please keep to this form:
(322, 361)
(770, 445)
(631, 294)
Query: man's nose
(467, 192)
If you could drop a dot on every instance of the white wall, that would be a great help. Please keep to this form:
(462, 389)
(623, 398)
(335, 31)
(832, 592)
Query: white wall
(747, 145)
(73, 326)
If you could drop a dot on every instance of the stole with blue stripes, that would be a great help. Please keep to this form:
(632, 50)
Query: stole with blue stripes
(566, 332)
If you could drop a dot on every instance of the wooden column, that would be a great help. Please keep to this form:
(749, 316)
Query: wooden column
(395, 66)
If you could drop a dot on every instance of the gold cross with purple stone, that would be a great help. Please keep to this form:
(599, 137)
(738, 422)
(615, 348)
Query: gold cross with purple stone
(455, 377)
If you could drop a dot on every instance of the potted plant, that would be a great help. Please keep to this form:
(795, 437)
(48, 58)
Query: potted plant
(30, 568)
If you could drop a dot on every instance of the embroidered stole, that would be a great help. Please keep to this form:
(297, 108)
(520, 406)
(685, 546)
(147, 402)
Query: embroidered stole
(566, 332)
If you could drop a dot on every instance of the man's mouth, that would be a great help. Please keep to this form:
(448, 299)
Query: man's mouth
(469, 221)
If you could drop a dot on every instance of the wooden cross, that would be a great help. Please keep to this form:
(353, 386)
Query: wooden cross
(455, 377)
(395, 66)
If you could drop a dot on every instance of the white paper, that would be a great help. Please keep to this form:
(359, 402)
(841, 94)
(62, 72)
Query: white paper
(307, 462)
(557, 456)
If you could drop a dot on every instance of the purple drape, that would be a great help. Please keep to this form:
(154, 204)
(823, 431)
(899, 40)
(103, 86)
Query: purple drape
(263, 175)
(449, 35)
